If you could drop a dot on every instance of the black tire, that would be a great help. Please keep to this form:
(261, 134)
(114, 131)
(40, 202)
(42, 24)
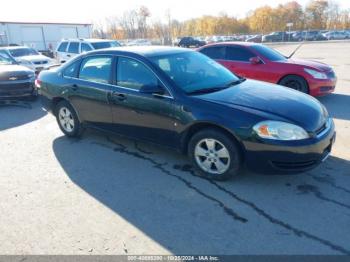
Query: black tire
(295, 82)
(75, 129)
(233, 164)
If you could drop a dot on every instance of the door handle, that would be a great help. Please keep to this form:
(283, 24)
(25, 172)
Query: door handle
(75, 87)
(119, 96)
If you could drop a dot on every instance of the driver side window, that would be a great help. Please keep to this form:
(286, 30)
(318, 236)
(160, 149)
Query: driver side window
(134, 75)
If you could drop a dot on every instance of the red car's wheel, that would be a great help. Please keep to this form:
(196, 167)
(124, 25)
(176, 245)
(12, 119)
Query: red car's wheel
(295, 82)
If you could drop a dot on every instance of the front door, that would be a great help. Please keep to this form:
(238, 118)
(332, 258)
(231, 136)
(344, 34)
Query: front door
(136, 114)
(238, 61)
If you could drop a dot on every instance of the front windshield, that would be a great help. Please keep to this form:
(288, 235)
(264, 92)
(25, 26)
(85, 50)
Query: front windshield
(193, 71)
(18, 52)
(5, 59)
(269, 53)
(105, 44)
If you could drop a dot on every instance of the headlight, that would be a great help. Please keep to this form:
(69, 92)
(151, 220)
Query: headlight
(315, 74)
(277, 130)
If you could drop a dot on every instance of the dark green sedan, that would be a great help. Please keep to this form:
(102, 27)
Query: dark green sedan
(184, 100)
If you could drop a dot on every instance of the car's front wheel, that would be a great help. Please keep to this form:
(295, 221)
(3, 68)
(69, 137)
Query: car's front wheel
(67, 119)
(214, 154)
(295, 82)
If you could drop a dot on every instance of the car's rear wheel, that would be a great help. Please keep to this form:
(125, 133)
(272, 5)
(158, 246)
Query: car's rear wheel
(295, 82)
(214, 154)
(67, 119)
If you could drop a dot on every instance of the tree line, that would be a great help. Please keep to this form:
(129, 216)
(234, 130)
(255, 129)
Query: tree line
(138, 23)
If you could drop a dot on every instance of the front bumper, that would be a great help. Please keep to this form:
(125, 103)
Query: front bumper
(322, 87)
(280, 157)
(17, 89)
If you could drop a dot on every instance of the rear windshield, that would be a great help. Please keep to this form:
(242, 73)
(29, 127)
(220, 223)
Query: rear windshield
(269, 53)
(105, 44)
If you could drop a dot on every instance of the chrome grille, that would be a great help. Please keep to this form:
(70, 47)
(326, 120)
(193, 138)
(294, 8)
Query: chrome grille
(14, 77)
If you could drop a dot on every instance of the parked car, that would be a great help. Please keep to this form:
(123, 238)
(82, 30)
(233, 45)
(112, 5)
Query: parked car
(16, 81)
(139, 42)
(184, 100)
(335, 35)
(275, 37)
(346, 33)
(260, 62)
(190, 42)
(314, 35)
(68, 49)
(254, 39)
(29, 57)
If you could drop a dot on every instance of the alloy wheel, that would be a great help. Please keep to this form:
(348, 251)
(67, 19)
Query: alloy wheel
(212, 156)
(66, 119)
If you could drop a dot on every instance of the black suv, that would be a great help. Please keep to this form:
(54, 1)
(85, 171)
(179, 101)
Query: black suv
(190, 41)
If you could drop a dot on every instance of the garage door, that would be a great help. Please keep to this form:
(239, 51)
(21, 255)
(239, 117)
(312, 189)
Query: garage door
(69, 32)
(33, 36)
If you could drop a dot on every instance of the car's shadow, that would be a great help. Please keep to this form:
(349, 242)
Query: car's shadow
(337, 105)
(156, 191)
(16, 113)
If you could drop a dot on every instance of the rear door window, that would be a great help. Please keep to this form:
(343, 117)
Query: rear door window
(72, 70)
(215, 52)
(73, 48)
(96, 69)
(237, 53)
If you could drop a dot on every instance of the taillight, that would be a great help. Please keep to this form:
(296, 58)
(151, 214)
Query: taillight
(37, 83)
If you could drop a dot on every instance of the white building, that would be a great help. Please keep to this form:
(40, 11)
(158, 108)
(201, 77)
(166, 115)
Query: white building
(41, 36)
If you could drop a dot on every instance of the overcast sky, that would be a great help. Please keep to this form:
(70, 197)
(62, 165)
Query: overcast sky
(91, 11)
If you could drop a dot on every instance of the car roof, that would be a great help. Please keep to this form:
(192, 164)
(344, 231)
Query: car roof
(146, 51)
(233, 43)
(90, 40)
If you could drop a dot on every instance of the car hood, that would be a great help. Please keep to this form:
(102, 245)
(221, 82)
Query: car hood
(282, 102)
(7, 71)
(308, 63)
(34, 58)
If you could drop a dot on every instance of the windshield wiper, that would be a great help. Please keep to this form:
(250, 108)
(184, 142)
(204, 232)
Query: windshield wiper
(218, 88)
(206, 90)
(235, 82)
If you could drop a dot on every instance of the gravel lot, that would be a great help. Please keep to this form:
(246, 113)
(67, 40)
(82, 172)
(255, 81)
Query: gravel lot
(108, 195)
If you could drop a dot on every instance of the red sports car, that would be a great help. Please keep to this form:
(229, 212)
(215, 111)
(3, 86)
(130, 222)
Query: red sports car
(256, 61)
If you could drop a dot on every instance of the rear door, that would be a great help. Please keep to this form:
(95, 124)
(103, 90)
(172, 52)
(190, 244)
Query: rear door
(90, 89)
(143, 116)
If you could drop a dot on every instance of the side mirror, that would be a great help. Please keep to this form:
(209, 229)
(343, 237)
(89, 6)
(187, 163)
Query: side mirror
(152, 89)
(255, 60)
